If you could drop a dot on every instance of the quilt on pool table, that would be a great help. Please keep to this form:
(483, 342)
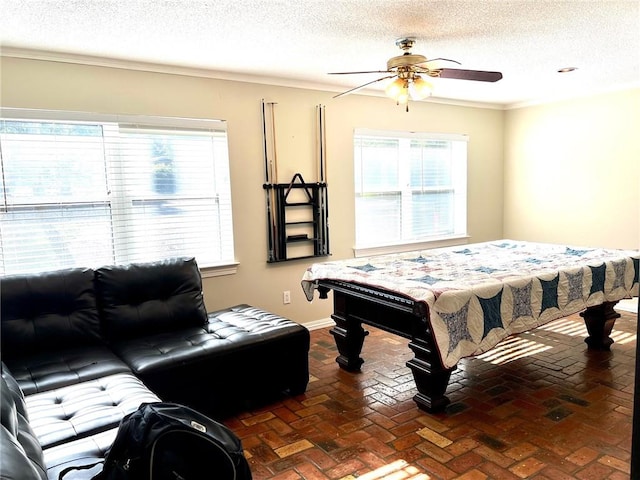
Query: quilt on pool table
(479, 294)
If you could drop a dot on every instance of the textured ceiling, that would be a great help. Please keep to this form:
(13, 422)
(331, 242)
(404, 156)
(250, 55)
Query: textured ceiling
(298, 42)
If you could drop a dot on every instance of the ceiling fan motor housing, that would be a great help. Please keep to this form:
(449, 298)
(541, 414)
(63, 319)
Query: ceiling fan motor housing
(406, 60)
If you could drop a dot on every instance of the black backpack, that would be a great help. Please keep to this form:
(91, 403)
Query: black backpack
(168, 441)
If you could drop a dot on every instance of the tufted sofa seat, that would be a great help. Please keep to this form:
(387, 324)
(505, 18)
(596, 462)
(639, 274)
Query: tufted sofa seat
(85, 408)
(82, 348)
(53, 369)
(79, 452)
(29, 443)
(180, 366)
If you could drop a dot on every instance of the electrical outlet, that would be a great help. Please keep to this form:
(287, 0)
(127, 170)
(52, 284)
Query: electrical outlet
(286, 297)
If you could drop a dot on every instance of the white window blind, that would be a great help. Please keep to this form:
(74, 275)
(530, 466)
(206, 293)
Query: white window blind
(409, 187)
(91, 193)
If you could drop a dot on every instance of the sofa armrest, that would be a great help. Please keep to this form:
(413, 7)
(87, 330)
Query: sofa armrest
(20, 452)
(15, 461)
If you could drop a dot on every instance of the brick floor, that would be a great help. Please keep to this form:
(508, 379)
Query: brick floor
(541, 406)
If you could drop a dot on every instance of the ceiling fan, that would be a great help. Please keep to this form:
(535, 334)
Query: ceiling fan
(409, 69)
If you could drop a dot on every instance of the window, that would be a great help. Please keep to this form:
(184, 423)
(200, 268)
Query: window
(90, 193)
(409, 187)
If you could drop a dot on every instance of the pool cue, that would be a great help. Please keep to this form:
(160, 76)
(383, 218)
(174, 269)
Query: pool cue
(274, 179)
(321, 118)
(325, 176)
(268, 187)
(323, 230)
(318, 146)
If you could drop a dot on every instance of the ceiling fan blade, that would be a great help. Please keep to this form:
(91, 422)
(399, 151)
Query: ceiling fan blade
(477, 75)
(362, 86)
(442, 60)
(350, 73)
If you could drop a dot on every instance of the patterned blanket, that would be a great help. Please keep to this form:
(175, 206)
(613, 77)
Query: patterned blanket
(479, 294)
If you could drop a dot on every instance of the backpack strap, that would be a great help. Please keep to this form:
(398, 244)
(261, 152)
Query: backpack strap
(81, 467)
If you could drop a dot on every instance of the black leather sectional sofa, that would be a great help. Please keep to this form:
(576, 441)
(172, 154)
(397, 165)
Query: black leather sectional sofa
(82, 348)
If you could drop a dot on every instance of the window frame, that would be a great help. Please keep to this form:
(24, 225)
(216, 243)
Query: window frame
(117, 122)
(459, 183)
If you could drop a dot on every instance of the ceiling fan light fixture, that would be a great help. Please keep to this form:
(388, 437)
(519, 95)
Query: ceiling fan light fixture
(394, 89)
(420, 88)
(403, 96)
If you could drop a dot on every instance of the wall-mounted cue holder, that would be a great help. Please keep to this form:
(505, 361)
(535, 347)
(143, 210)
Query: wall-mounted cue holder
(297, 212)
(299, 220)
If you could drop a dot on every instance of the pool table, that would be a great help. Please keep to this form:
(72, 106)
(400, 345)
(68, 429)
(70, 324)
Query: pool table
(458, 302)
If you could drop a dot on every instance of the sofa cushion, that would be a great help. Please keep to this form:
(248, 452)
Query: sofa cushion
(85, 408)
(176, 350)
(232, 330)
(261, 324)
(243, 355)
(47, 311)
(146, 298)
(48, 370)
(89, 451)
(279, 353)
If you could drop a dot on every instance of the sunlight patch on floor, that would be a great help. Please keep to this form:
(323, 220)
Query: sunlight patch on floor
(622, 337)
(566, 327)
(512, 349)
(398, 470)
(576, 329)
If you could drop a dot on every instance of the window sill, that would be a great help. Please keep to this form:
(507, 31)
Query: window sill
(219, 270)
(408, 247)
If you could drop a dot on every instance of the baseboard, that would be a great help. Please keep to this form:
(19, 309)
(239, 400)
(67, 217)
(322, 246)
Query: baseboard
(317, 324)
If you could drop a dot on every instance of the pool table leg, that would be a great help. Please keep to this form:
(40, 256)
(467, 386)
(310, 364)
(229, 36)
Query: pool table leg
(349, 336)
(599, 321)
(430, 376)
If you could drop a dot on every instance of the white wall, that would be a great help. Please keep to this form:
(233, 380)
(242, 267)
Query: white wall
(572, 171)
(51, 85)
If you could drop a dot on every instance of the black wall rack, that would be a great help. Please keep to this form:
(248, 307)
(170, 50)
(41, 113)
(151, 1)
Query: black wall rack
(298, 220)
